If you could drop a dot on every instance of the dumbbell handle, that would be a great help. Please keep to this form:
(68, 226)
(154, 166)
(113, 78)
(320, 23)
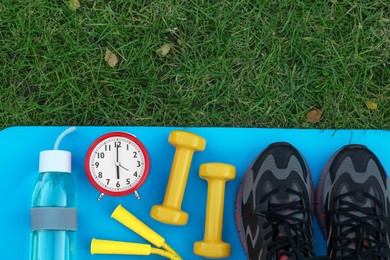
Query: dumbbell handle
(214, 210)
(178, 177)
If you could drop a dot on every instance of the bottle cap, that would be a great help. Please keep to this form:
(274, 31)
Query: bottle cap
(55, 161)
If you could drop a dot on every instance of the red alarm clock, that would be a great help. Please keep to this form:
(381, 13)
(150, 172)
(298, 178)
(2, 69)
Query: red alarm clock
(117, 164)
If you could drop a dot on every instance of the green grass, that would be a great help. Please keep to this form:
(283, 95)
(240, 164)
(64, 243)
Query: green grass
(240, 63)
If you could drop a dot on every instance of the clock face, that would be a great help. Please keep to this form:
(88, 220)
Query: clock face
(117, 163)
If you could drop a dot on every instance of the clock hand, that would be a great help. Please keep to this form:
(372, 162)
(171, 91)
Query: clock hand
(120, 165)
(117, 163)
(117, 154)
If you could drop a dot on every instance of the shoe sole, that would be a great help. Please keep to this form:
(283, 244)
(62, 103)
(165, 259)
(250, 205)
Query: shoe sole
(237, 206)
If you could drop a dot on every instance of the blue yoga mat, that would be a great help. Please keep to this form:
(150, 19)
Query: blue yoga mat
(19, 155)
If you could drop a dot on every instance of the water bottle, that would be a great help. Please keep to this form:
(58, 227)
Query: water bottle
(54, 207)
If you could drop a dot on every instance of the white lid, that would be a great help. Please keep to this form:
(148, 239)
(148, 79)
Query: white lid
(55, 161)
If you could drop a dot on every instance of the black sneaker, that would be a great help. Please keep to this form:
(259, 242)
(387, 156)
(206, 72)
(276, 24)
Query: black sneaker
(353, 205)
(274, 206)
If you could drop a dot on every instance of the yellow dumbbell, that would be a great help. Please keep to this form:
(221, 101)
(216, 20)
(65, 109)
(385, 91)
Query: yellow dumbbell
(216, 175)
(170, 211)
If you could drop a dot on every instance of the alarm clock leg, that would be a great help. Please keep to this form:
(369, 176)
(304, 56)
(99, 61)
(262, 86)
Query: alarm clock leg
(100, 196)
(136, 194)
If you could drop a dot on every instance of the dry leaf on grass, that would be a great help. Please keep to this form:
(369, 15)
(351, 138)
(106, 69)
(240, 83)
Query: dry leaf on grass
(164, 50)
(74, 5)
(372, 105)
(111, 59)
(314, 115)
(180, 42)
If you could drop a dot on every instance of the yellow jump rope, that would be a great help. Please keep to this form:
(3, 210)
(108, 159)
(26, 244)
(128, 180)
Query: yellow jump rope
(123, 216)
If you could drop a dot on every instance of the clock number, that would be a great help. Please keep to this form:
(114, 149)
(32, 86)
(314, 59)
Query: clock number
(107, 147)
(118, 144)
(118, 184)
(135, 154)
(135, 174)
(100, 155)
(127, 181)
(100, 174)
(108, 181)
(97, 164)
(127, 147)
(138, 164)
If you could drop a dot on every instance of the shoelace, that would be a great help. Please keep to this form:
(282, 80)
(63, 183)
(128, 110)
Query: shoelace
(360, 238)
(297, 239)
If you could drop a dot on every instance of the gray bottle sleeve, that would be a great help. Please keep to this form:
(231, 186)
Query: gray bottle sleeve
(53, 218)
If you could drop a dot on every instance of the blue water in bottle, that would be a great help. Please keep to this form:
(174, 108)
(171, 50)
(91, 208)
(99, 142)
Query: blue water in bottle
(54, 189)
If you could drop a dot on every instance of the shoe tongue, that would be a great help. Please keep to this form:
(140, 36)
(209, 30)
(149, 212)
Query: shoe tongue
(359, 199)
(283, 197)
